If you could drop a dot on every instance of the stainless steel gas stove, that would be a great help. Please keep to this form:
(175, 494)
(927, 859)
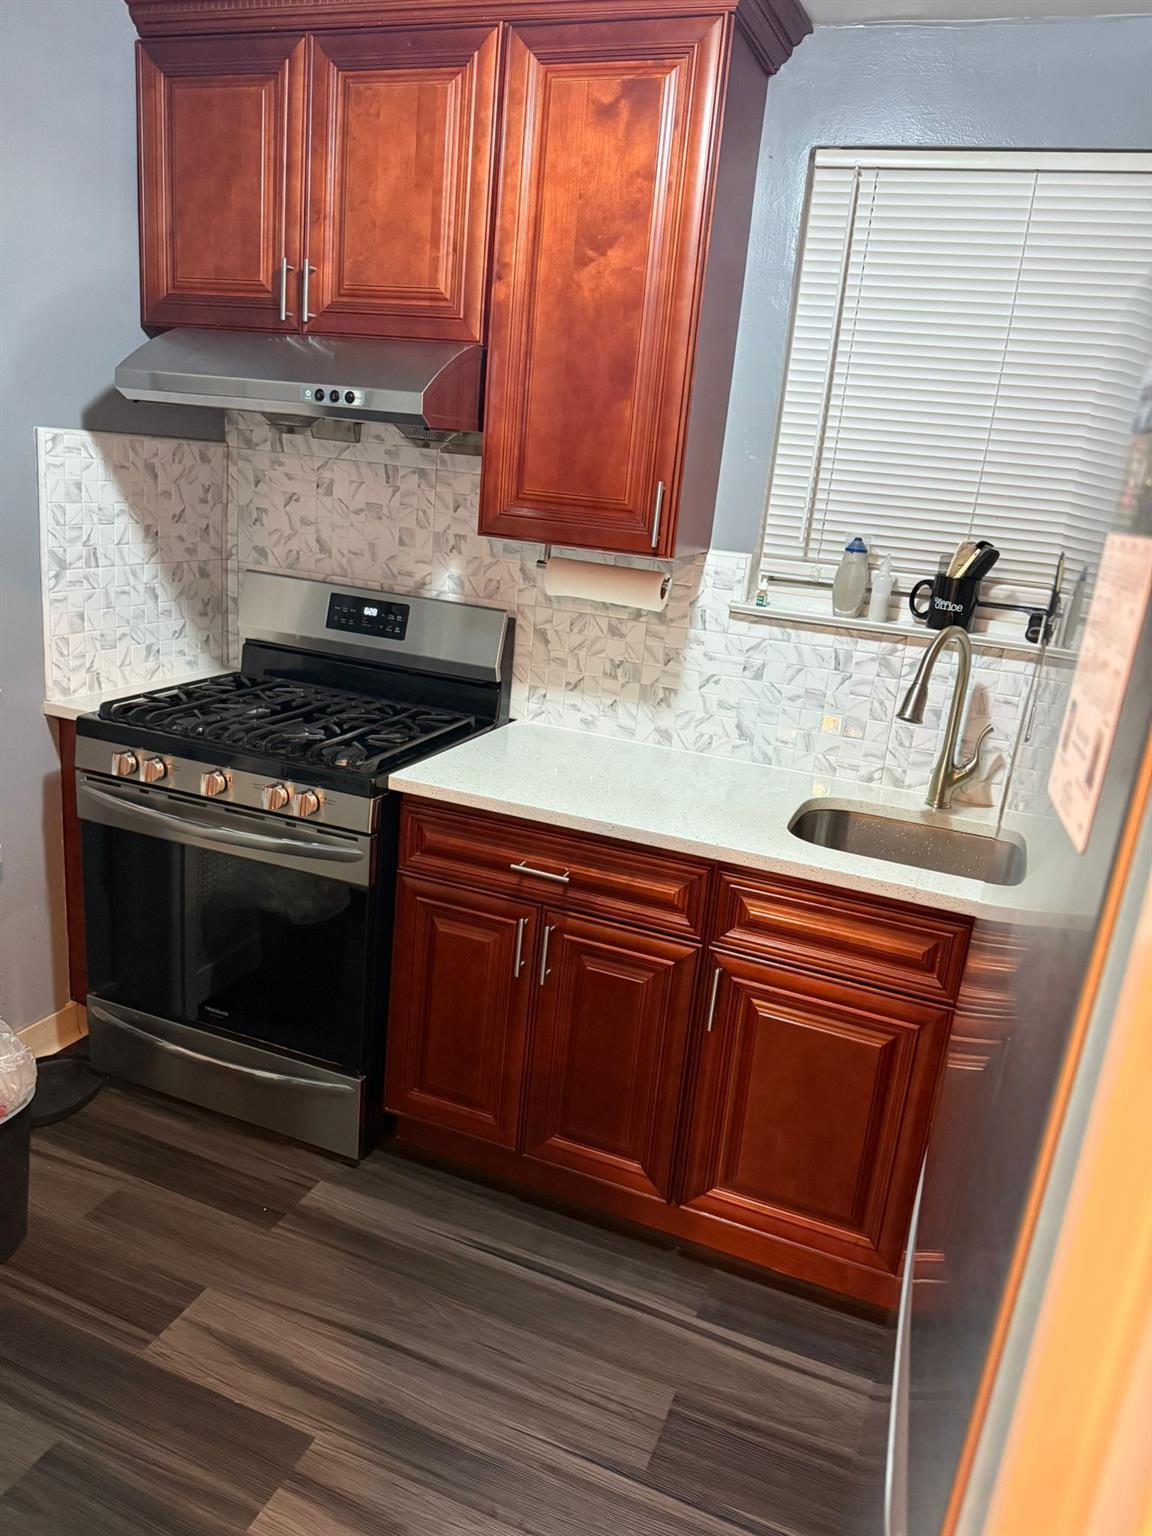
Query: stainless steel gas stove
(240, 849)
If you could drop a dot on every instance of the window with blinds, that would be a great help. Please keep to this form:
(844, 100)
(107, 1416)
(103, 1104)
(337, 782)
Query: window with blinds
(969, 335)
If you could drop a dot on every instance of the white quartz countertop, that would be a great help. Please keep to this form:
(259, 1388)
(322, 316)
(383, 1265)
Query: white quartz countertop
(712, 807)
(86, 703)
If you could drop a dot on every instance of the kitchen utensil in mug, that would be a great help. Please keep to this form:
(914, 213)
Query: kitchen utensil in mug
(961, 558)
(951, 600)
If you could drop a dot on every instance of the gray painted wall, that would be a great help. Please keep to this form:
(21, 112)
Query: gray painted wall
(1010, 85)
(68, 268)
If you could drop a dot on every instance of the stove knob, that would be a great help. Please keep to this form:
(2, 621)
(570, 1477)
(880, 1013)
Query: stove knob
(124, 764)
(307, 803)
(214, 782)
(154, 769)
(274, 797)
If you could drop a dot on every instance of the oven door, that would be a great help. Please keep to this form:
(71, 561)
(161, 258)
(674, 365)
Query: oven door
(223, 919)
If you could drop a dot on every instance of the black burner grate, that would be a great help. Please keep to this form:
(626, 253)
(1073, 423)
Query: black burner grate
(300, 722)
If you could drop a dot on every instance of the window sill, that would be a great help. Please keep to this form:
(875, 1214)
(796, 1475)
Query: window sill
(899, 629)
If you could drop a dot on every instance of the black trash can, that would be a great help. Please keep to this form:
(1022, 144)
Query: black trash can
(15, 1146)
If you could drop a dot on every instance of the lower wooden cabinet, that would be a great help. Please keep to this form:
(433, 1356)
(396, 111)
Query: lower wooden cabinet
(556, 1025)
(811, 1108)
(607, 1056)
(460, 1000)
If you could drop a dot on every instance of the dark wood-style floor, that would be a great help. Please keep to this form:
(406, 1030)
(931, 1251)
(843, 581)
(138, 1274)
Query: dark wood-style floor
(210, 1332)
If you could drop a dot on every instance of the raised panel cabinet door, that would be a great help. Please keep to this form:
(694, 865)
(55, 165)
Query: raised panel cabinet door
(607, 1052)
(401, 182)
(221, 180)
(812, 1109)
(462, 983)
(600, 237)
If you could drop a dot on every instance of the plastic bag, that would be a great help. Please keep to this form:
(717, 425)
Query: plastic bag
(17, 1073)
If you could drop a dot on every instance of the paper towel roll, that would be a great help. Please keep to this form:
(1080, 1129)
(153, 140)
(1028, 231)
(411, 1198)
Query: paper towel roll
(627, 585)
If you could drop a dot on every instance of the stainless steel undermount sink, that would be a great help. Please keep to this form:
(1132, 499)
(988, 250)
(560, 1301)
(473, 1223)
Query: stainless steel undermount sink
(947, 850)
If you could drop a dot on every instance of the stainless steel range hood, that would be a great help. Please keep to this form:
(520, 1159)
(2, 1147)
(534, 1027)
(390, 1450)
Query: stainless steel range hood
(433, 383)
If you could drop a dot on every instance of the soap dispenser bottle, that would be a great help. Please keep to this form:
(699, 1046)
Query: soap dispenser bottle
(851, 581)
(880, 599)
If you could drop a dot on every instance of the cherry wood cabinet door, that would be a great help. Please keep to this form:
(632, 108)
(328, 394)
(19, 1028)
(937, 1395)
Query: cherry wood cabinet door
(221, 180)
(607, 1052)
(401, 181)
(812, 1109)
(600, 237)
(462, 984)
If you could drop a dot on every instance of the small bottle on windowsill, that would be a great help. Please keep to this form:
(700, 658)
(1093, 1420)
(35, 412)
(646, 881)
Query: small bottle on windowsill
(762, 593)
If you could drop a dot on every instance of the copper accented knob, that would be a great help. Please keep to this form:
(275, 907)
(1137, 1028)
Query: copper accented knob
(274, 797)
(215, 782)
(124, 764)
(307, 803)
(154, 770)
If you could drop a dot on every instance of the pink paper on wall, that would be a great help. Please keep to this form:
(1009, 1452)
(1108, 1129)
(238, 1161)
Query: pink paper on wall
(1114, 622)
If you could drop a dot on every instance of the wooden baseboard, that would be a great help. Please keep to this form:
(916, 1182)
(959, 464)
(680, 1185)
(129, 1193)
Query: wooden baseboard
(60, 1029)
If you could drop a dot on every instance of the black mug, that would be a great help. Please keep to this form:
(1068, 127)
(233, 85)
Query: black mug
(952, 600)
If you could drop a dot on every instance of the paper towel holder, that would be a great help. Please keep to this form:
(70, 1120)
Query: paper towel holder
(545, 557)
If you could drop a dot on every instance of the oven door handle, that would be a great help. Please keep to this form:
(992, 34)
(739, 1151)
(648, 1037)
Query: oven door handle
(233, 837)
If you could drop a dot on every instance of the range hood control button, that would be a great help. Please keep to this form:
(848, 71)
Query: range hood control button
(274, 797)
(307, 803)
(213, 783)
(154, 770)
(124, 764)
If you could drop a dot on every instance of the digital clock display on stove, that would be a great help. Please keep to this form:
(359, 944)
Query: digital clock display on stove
(367, 616)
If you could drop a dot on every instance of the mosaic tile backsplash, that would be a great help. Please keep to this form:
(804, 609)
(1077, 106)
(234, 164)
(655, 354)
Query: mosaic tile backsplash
(133, 559)
(167, 529)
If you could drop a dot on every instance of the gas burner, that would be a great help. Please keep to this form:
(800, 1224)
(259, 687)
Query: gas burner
(294, 723)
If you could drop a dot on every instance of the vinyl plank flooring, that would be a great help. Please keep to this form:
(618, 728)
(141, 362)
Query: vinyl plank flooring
(214, 1333)
(118, 1131)
(69, 1270)
(206, 1457)
(445, 1370)
(23, 1440)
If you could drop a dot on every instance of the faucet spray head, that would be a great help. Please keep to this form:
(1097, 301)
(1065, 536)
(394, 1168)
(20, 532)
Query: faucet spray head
(912, 708)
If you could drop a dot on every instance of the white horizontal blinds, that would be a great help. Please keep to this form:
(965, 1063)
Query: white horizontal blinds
(978, 373)
(1079, 343)
(815, 318)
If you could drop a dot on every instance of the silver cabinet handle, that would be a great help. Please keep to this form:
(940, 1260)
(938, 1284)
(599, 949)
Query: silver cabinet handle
(716, 975)
(518, 958)
(305, 284)
(285, 268)
(657, 513)
(544, 971)
(541, 874)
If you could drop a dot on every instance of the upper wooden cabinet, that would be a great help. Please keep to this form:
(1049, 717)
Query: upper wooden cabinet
(221, 173)
(607, 144)
(606, 154)
(392, 237)
(401, 171)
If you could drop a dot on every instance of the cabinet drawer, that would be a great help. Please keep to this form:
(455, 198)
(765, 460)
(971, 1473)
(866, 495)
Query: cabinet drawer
(563, 869)
(855, 938)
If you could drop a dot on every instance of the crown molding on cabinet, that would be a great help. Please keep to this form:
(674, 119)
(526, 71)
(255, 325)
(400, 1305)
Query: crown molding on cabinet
(773, 27)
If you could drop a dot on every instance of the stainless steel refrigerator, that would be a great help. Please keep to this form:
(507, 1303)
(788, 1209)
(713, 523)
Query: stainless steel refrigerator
(1031, 1027)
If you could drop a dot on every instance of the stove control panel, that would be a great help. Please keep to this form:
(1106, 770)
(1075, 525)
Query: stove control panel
(367, 616)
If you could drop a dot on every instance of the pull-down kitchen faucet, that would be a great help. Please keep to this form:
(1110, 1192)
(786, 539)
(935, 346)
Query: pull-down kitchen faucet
(948, 774)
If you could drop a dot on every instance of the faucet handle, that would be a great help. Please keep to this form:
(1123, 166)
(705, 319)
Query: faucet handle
(966, 770)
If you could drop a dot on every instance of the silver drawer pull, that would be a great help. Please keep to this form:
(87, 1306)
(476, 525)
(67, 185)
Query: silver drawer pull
(541, 874)
(716, 975)
(518, 958)
(544, 971)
